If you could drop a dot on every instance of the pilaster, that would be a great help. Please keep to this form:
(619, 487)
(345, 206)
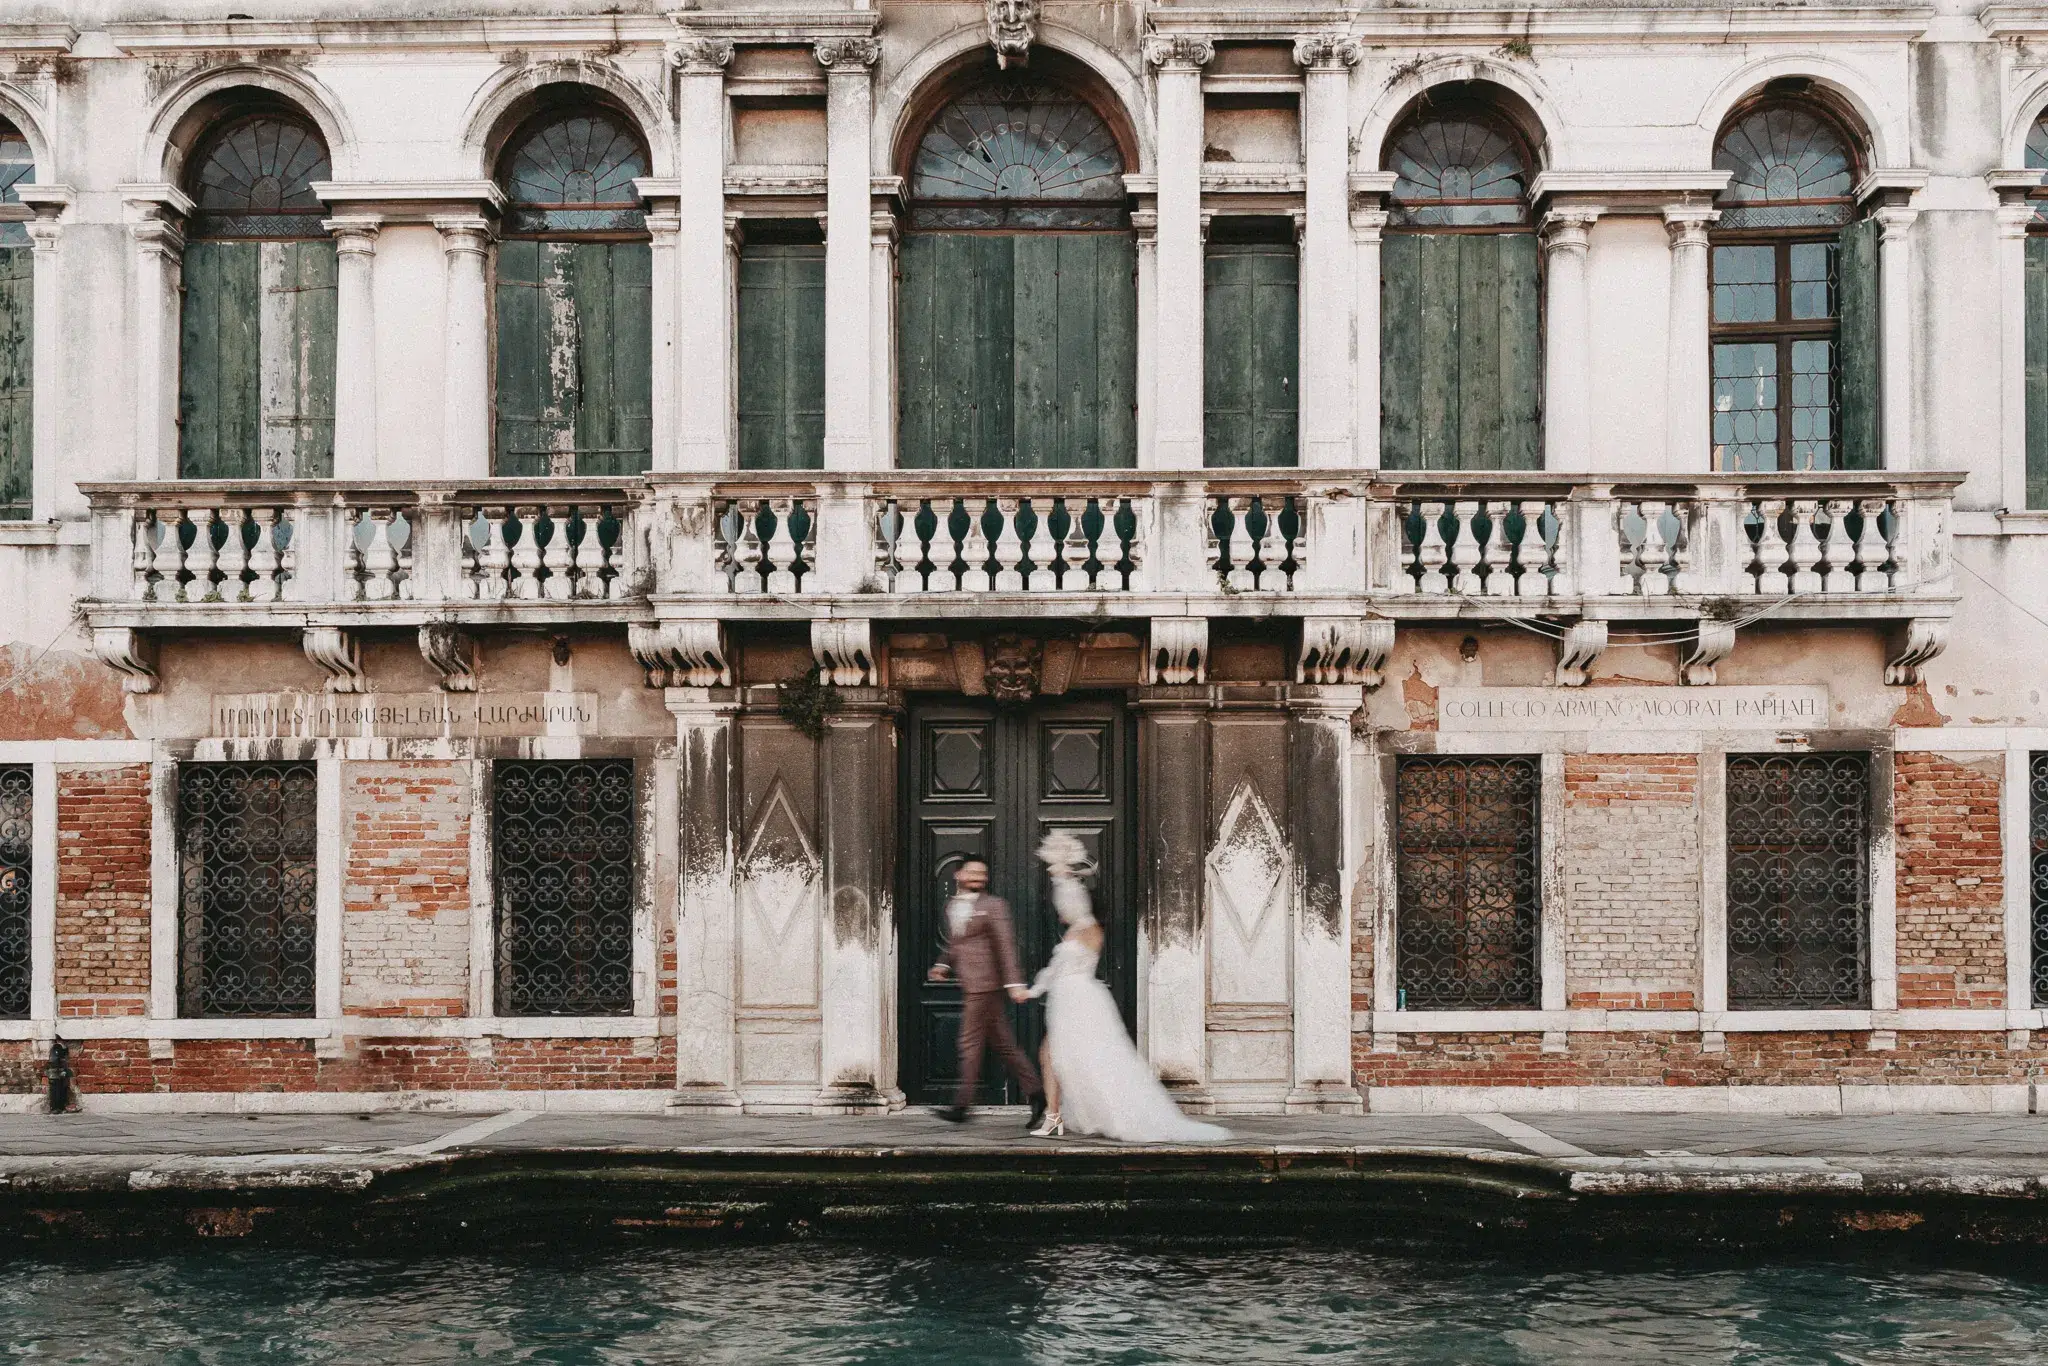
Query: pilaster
(849, 375)
(466, 349)
(1568, 359)
(355, 347)
(1688, 382)
(706, 966)
(1895, 323)
(699, 369)
(1328, 846)
(1177, 330)
(51, 494)
(155, 225)
(1327, 345)
(1173, 764)
(857, 956)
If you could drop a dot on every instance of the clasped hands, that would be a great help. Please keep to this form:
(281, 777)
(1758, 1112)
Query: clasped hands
(940, 972)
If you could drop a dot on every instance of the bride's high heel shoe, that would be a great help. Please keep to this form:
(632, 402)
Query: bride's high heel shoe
(1053, 1127)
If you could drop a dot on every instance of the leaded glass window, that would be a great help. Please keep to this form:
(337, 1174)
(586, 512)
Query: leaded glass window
(1798, 881)
(573, 172)
(17, 824)
(562, 843)
(1458, 169)
(1018, 153)
(246, 842)
(1777, 271)
(17, 167)
(1468, 883)
(255, 179)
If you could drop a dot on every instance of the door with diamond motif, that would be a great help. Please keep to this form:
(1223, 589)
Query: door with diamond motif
(989, 782)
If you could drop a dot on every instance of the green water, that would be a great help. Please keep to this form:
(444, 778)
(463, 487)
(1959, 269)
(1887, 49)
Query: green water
(1086, 1303)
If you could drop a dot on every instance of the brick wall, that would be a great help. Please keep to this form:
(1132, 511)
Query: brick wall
(103, 821)
(1632, 880)
(114, 1066)
(405, 888)
(1951, 881)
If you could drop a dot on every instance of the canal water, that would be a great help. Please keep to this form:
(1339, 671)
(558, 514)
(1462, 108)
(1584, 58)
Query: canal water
(831, 1302)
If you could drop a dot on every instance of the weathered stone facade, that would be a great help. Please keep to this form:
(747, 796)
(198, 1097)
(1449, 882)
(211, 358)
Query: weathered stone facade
(833, 657)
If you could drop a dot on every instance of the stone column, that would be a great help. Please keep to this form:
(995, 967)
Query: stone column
(849, 120)
(1326, 290)
(1368, 228)
(1895, 321)
(1328, 842)
(706, 975)
(882, 239)
(159, 254)
(1173, 785)
(664, 233)
(466, 350)
(2013, 217)
(1688, 362)
(1568, 349)
(51, 491)
(355, 347)
(701, 373)
(1145, 224)
(857, 958)
(1177, 327)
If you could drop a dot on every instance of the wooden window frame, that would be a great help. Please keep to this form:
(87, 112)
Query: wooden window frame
(1784, 330)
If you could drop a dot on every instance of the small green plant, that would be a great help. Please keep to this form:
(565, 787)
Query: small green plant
(1517, 48)
(806, 700)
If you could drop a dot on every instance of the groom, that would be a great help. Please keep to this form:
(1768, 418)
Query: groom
(981, 951)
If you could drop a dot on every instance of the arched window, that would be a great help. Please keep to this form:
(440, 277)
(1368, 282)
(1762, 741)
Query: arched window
(2036, 308)
(256, 351)
(1461, 335)
(574, 298)
(1017, 331)
(1794, 296)
(17, 329)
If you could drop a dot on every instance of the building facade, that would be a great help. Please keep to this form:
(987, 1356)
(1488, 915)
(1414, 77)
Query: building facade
(536, 536)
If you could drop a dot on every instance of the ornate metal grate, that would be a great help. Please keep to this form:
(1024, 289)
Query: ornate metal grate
(1798, 881)
(562, 836)
(16, 821)
(2037, 841)
(1468, 883)
(246, 838)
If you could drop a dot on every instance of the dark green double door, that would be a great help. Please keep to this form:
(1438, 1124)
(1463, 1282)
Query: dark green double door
(989, 783)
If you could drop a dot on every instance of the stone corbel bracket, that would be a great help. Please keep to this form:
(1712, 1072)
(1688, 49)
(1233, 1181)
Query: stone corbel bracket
(1344, 650)
(339, 656)
(129, 653)
(1916, 642)
(1583, 641)
(845, 650)
(681, 654)
(1714, 643)
(452, 653)
(1178, 652)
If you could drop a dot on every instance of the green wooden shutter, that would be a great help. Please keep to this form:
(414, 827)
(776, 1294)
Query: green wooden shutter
(2037, 372)
(537, 362)
(782, 357)
(1460, 352)
(1858, 369)
(612, 290)
(1250, 356)
(17, 375)
(220, 362)
(954, 343)
(296, 343)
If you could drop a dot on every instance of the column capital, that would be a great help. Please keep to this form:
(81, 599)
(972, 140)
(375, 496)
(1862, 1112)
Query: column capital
(699, 56)
(1686, 224)
(1326, 53)
(1145, 223)
(2013, 216)
(1178, 52)
(158, 237)
(460, 236)
(354, 234)
(1895, 220)
(882, 228)
(1568, 229)
(847, 56)
(1369, 226)
(663, 225)
(43, 233)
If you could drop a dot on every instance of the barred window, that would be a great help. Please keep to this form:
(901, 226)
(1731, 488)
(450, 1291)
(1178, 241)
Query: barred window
(246, 838)
(1798, 881)
(1468, 883)
(562, 841)
(2037, 852)
(17, 810)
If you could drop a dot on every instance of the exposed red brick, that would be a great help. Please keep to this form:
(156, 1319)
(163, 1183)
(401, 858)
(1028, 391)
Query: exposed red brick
(1951, 881)
(103, 886)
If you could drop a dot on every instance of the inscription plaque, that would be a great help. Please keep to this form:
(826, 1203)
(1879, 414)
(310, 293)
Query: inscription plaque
(1651, 708)
(401, 716)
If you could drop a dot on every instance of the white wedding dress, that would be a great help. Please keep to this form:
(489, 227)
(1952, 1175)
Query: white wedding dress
(1106, 1089)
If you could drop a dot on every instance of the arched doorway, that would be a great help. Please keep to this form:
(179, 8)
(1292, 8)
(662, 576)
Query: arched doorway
(1017, 295)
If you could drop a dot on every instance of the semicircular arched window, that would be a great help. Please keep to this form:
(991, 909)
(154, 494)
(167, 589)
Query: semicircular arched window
(1459, 169)
(1790, 167)
(17, 326)
(254, 178)
(1018, 153)
(574, 172)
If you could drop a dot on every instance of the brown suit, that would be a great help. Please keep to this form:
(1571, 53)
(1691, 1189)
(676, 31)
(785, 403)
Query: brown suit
(983, 959)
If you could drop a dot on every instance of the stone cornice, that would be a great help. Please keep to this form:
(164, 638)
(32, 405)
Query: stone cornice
(1645, 24)
(611, 31)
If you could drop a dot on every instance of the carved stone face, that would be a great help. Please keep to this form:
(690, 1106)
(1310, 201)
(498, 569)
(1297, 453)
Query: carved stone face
(1013, 663)
(1012, 24)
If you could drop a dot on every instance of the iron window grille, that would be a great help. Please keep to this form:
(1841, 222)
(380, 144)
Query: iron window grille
(2037, 856)
(246, 841)
(562, 849)
(1798, 881)
(17, 812)
(1468, 882)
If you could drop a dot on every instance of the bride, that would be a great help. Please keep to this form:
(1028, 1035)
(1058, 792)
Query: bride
(1094, 1079)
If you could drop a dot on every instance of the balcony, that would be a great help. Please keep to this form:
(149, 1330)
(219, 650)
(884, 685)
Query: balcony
(1368, 548)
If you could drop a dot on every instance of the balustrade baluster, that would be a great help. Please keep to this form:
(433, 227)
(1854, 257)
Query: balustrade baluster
(1041, 548)
(747, 554)
(169, 563)
(1009, 550)
(1137, 548)
(1873, 554)
(1836, 554)
(1465, 549)
(494, 561)
(945, 551)
(1239, 578)
(1771, 550)
(1682, 577)
(1564, 556)
(380, 561)
(781, 557)
(1430, 555)
(909, 548)
(617, 583)
(555, 557)
(263, 561)
(526, 560)
(288, 558)
(589, 557)
(1654, 554)
(1109, 547)
(974, 548)
(1805, 548)
(142, 558)
(1272, 548)
(1532, 554)
(1074, 549)
(1493, 556)
(200, 558)
(408, 587)
(234, 556)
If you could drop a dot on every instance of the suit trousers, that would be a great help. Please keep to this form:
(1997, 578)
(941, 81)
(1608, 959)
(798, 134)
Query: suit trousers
(984, 1021)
